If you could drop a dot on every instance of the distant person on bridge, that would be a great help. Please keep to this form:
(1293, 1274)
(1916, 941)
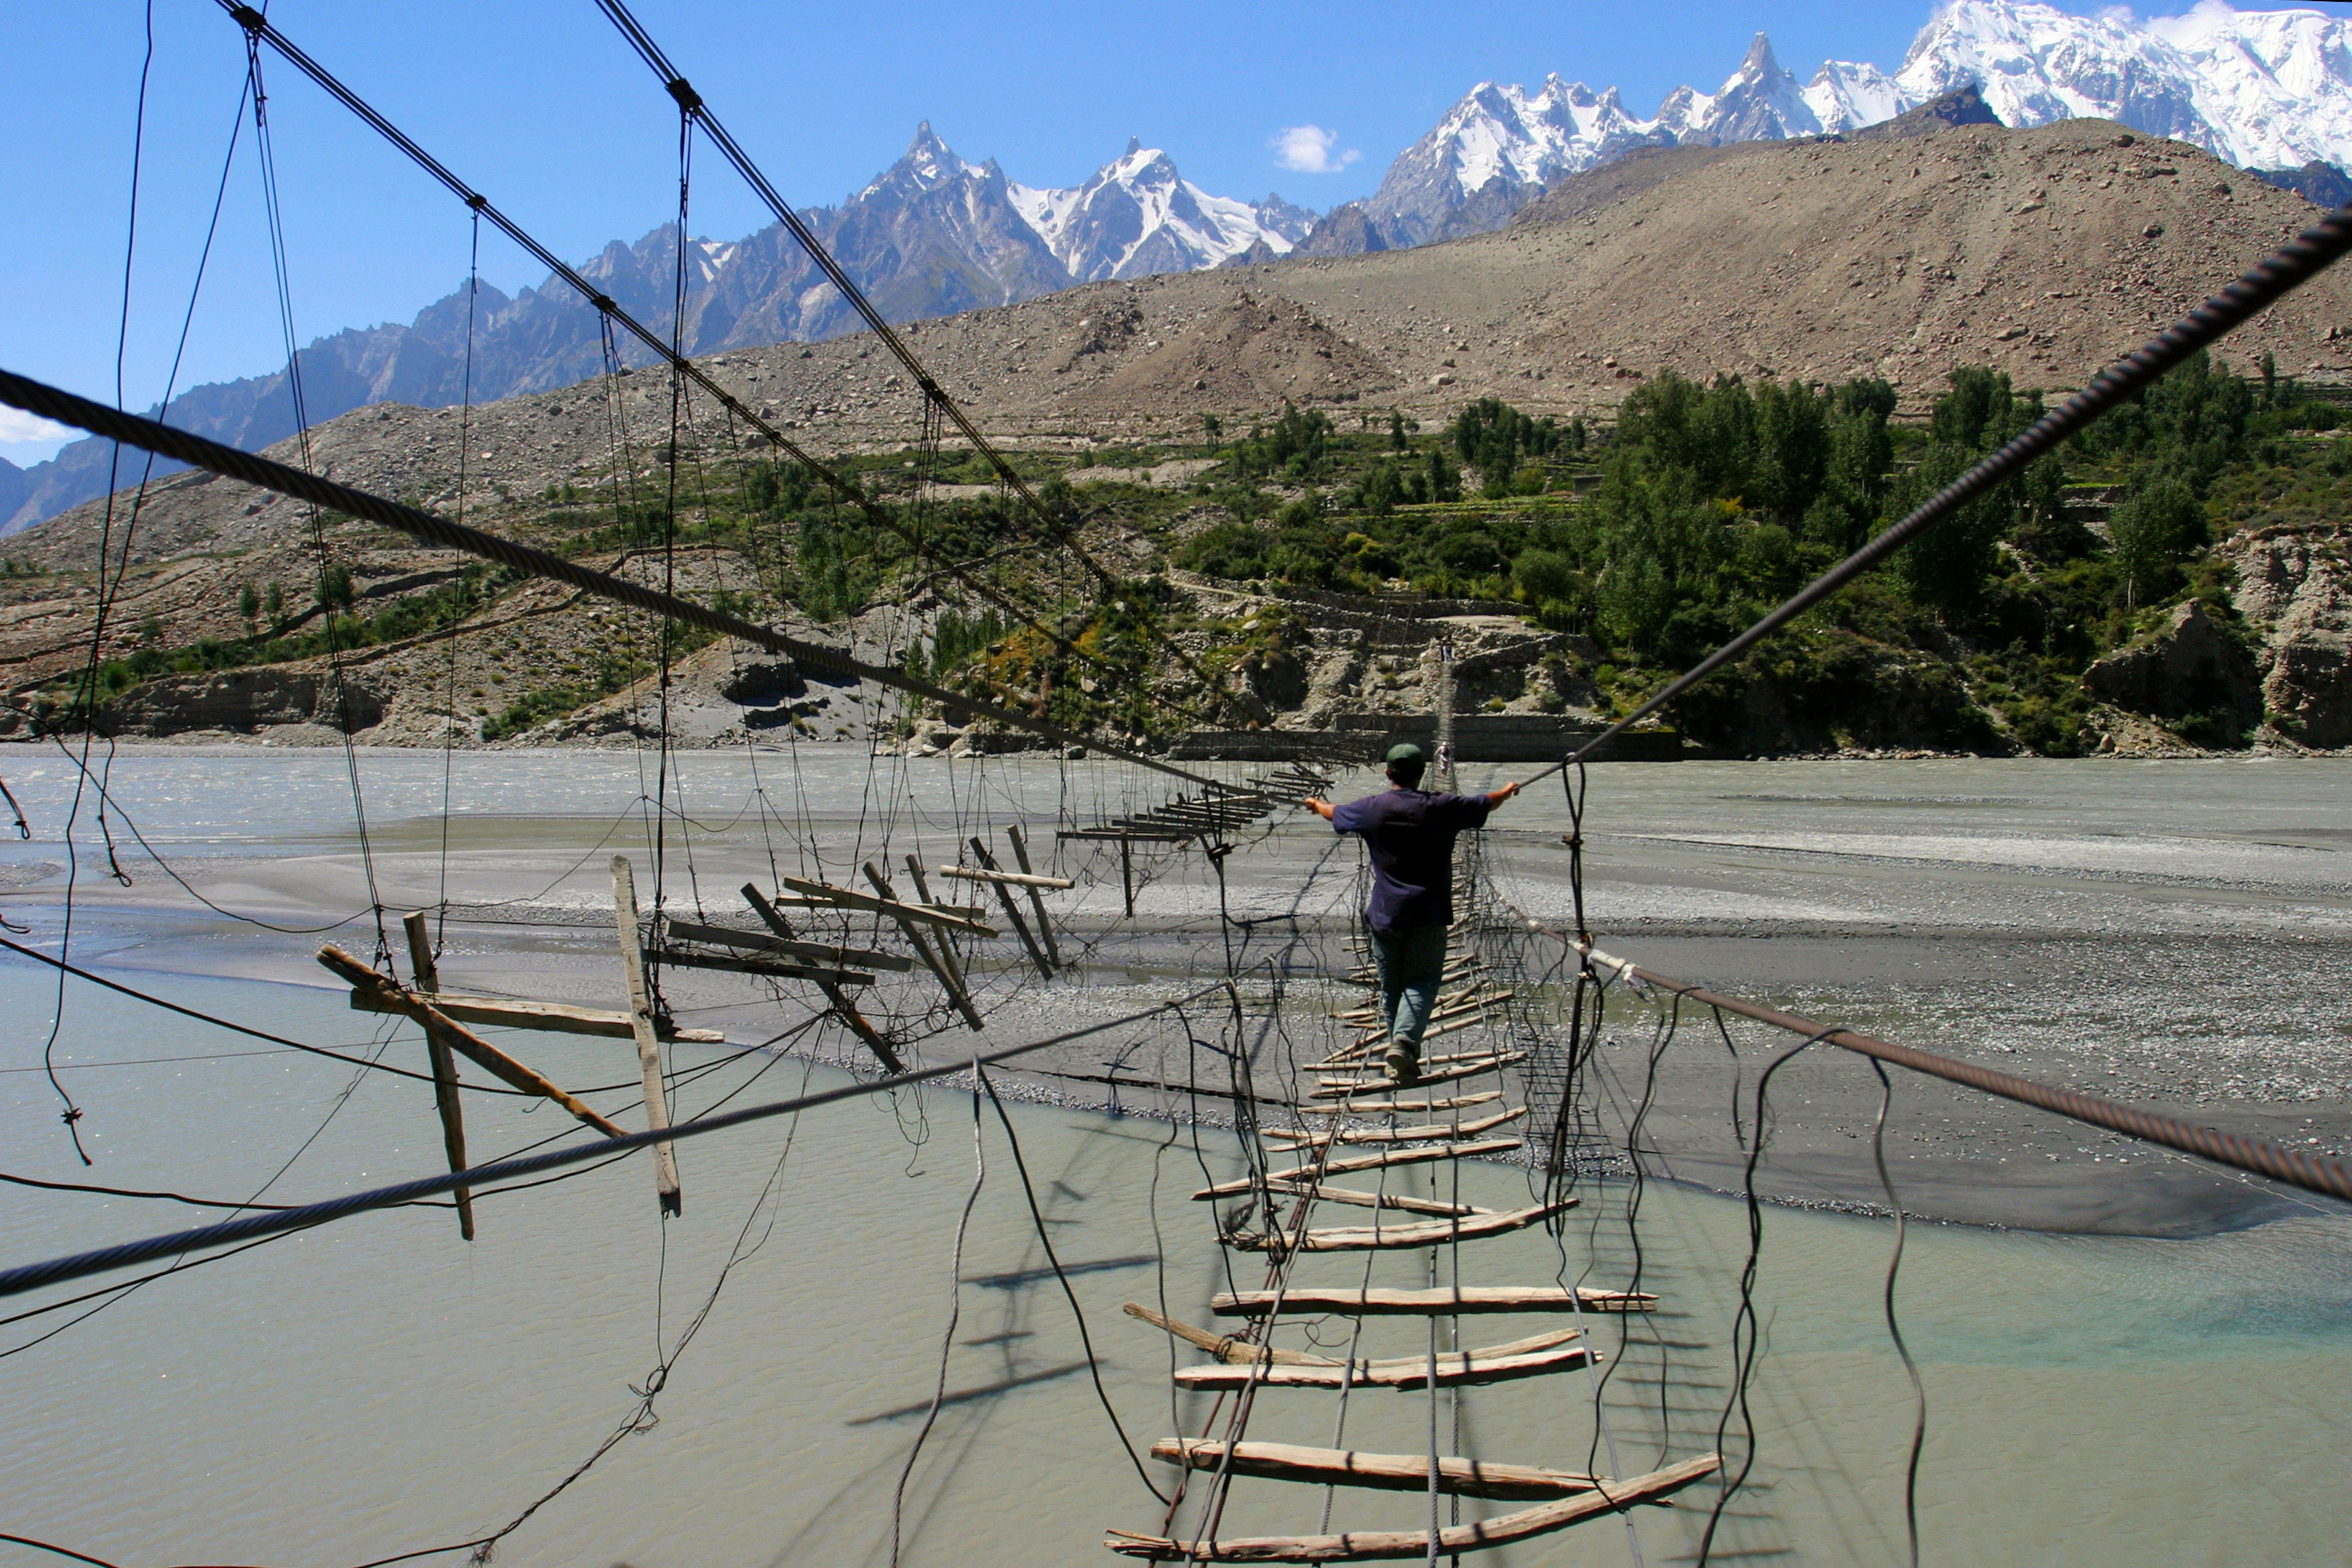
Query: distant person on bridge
(1410, 834)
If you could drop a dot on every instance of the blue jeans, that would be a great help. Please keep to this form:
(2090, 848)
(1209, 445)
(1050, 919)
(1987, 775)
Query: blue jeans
(1412, 964)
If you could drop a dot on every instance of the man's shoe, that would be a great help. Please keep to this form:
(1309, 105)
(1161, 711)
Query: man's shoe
(1404, 1067)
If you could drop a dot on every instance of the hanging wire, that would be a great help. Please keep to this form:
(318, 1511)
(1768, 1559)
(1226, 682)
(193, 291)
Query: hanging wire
(449, 720)
(1894, 1324)
(265, 148)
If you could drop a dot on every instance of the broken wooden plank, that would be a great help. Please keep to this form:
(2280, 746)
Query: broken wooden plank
(1225, 1347)
(553, 1017)
(1134, 836)
(1387, 1546)
(940, 960)
(797, 901)
(1363, 1163)
(923, 914)
(421, 966)
(463, 1041)
(728, 963)
(1420, 1233)
(1384, 1472)
(667, 1190)
(445, 1070)
(825, 953)
(1456, 1369)
(842, 1006)
(1035, 884)
(1009, 878)
(1447, 1301)
(1012, 911)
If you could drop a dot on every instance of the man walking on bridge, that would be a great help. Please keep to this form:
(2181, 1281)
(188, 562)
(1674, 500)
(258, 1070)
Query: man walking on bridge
(1410, 834)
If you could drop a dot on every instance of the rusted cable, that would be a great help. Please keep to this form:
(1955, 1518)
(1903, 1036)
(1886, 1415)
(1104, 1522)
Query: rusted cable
(76, 1265)
(2254, 1156)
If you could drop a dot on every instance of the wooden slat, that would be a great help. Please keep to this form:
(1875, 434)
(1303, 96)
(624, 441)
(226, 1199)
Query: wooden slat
(922, 914)
(728, 963)
(1390, 1545)
(843, 1007)
(1362, 1048)
(1446, 1075)
(1232, 1350)
(1420, 1233)
(1384, 1472)
(1418, 1107)
(1445, 1006)
(1403, 1134)
(550, 1017)
(1445, 1301)
(1123, 835)
(825, 953)
(1363, 1162)
(667, 1190)
(1434, 1063)
(1405, 1203)
(795, 902)
(1456, 1369)
(1010, 878)
(1358, 1057)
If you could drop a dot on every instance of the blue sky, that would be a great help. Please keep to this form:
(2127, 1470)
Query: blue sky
(540, 104)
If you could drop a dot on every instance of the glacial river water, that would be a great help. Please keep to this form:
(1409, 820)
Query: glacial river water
(380, 1386)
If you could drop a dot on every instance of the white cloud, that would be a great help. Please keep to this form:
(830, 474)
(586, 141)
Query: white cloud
(1310, 150)
(18, 428)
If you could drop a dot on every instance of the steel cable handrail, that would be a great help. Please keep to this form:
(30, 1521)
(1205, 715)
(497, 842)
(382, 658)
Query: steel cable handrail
(76, 1265)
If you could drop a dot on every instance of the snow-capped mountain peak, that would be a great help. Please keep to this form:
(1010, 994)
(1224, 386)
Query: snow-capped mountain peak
(928, 164)
(2265, 89)
(1761, 101)
(1845, 95)
(1135, 215)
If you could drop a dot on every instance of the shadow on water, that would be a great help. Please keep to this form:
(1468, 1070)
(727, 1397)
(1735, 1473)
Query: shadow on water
(1019, 1278)
(966, 1396)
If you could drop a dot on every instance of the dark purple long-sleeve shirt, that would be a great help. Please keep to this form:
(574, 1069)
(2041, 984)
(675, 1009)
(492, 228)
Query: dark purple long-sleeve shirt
(1410, 833)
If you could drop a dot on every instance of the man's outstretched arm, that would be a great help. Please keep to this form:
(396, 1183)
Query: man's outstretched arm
(1324, 808)
(1495, 797)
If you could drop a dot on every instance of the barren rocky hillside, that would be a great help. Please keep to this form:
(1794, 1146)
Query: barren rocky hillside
(2043, 253)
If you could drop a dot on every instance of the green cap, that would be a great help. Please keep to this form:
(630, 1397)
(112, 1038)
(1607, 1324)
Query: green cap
(1406, 751)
